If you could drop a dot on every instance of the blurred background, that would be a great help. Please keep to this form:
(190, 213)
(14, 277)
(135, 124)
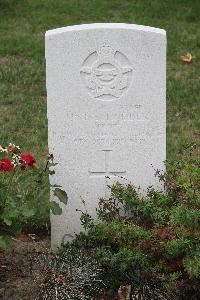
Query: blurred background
(22, 62)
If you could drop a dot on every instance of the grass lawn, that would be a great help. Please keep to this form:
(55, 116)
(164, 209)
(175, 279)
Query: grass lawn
(22, 65)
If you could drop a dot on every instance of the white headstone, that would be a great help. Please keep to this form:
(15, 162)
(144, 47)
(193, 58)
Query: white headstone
(106, 112)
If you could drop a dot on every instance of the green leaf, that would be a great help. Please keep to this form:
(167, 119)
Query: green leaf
(7, 221)
(182, 180)
(51, 172)
(15, 229)
(4, 242)
(55, 208)
(52, 164)
(28, 212)
(62, 195)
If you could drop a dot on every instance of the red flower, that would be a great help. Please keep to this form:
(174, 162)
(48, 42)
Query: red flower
(28, 159)
(6, 165)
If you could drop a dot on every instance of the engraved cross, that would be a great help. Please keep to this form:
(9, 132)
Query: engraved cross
(106, 173)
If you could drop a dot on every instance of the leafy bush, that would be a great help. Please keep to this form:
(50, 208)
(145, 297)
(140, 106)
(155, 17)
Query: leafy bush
(23, 188)
(157, 236)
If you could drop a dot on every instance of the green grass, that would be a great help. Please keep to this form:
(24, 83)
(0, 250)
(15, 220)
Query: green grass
(22, 67)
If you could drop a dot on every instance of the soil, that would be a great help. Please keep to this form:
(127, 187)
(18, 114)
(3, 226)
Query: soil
(20, 274)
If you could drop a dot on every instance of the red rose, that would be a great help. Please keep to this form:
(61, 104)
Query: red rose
(6, 165)
(28, 159)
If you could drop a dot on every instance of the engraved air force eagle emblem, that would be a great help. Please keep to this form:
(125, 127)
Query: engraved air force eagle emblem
(106, 73)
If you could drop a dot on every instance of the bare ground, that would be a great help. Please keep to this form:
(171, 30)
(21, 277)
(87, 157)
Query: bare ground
(20, 275)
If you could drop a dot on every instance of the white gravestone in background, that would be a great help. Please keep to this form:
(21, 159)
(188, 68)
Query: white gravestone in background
(106, 112)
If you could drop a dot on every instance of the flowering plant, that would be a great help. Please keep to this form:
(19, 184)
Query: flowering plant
(12, 157)
(24, 192)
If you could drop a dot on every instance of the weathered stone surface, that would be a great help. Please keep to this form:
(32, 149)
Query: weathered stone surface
(106, 112)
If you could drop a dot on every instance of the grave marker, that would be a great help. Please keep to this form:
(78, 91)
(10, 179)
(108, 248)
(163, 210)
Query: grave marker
(106, 112)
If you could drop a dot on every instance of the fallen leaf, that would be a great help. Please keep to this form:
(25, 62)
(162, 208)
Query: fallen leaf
(33, 236)
(187, 58)
(26, 237)
(178, 113)
(21, 237)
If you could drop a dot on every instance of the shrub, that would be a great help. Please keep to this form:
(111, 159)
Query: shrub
(152, 237)
(150, 242)
(23, 188)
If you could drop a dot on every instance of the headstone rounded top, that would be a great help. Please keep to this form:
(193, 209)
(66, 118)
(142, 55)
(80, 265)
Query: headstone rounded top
(106, 113)
(105, 26)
